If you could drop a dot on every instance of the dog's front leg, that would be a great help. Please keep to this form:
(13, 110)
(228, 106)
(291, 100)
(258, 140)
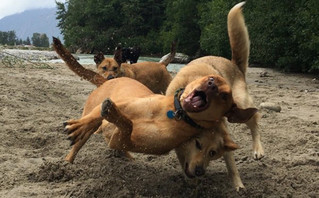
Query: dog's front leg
(79, 131)
(121, 138)
(258, 150)
(233, 171)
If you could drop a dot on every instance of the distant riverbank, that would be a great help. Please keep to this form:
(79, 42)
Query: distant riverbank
(52, 57)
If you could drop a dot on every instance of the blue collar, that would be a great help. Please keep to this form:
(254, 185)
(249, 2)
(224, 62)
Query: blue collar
(179, 113)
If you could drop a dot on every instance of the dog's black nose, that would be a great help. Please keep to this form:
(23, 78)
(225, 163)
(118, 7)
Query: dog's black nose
(199, 171)
(110, 77)
(211, 84)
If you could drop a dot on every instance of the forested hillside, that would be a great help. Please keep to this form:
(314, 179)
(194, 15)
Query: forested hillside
(283, 34)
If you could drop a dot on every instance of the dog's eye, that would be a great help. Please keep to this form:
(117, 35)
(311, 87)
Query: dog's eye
(104, 68)
(212, 153)
(114, 68)
(224, 96)
(198, 145)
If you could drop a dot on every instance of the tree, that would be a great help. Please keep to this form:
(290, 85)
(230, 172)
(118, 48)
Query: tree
(181, 24)
(283, 34)
(102, 24)
(213, 24)
(8, 38)
(27, 42)
(40, 40)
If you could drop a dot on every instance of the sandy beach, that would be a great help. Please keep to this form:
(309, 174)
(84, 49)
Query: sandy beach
(35, 101)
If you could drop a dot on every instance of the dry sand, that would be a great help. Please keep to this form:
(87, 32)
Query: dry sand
(35, 102)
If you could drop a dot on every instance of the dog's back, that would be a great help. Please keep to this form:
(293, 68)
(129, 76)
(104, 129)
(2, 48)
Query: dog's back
(154, 75)
(115, 89)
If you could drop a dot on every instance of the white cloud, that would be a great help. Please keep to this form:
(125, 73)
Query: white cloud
(9, 7)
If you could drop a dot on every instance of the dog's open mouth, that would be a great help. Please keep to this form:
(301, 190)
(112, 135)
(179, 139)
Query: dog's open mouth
(196, 101)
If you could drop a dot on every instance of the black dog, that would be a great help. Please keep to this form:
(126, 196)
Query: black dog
(130, 54)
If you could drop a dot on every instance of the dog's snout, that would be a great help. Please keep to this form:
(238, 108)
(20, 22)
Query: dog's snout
(110, 77)
(211, 84)
(199, 171)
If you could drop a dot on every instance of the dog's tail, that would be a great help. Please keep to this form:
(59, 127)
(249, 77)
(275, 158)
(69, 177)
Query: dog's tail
(170, 56)
(75, 66)
(238, 37)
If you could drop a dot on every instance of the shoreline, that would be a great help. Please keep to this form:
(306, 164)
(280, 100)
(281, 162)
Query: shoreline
(33, 55)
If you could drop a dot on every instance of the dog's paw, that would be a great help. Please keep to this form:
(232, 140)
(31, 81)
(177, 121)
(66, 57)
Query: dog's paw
(106, 107)
(241, 190)
(258, 155)
(109, 111)
(258, 152)
(69, 126)
(239, 186)
(72, 127)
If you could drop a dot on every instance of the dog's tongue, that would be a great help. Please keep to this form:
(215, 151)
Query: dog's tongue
(197, 101)
(193, 103)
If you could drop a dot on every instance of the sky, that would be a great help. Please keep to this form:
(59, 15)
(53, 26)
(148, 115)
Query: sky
(9, 7)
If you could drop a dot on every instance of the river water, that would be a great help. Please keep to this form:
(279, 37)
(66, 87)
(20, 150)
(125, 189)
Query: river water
(89, 59)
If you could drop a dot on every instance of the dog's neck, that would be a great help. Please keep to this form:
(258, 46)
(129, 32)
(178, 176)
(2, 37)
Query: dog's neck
(179, 113)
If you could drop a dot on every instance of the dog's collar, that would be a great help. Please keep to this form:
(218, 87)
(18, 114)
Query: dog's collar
(179, 113)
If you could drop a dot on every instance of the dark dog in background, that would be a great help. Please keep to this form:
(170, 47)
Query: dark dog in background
(130, 54)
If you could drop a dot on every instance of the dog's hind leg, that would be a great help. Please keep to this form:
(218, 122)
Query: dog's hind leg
(233, 171)
(121, 138)
(258, 151)
(107, 130)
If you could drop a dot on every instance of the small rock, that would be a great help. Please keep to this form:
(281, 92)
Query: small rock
(265, 116)
(271, 106)
(244, 158)
(264, 74)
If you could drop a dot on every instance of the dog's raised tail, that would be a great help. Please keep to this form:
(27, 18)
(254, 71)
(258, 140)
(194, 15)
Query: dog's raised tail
(238, 37)
(75, 66)
(171, 55)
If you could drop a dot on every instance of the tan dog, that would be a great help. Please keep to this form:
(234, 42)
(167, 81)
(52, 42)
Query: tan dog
(192, 156)
(154, 75)
(153, 123)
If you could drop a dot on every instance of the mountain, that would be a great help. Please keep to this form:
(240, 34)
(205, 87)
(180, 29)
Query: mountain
(32, 21)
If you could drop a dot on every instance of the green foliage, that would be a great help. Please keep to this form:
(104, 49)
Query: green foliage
(40, 40)
(8, 38)
(283, 34)
(213, 23)
(27, 42)
(181, 25)
(101, 25)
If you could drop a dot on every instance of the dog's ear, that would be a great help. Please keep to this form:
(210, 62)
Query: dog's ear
(98, 58)
(237, 115)
(229, 144)
(118, 55)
